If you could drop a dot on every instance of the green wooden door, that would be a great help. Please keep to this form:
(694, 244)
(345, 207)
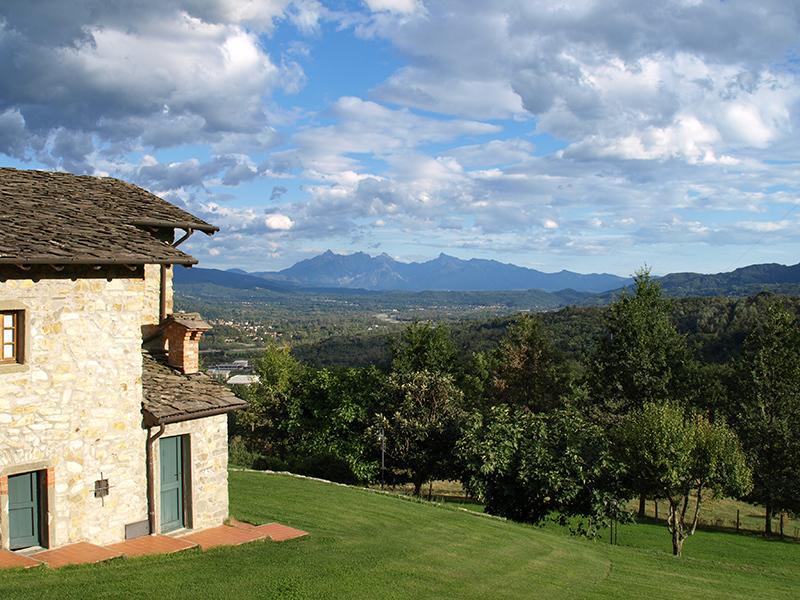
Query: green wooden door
(171, 483)
(23, 510)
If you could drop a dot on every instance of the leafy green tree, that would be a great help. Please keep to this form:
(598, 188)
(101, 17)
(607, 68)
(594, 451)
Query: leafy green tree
(525, 368)
(267, 421)
(641, 358)
(525, 466)
(335, 411)
(681, 456)
(424, 347)
(313, 421)
(765, 405)
(422, 424)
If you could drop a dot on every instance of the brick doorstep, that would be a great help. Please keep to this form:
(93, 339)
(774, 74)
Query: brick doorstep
(151, 544)
(12, 560)
(224, 535)
(81, 553)
(275, 531)
(234, 534)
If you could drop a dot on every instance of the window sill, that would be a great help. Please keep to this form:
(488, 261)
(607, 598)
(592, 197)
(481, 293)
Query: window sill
(13, 368)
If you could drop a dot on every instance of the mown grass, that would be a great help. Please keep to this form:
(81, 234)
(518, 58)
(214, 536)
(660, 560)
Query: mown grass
(369, 545)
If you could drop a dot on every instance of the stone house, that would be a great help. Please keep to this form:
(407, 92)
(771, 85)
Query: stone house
(108, 430)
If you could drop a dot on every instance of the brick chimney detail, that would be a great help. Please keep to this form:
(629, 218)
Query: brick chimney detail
(182, 332)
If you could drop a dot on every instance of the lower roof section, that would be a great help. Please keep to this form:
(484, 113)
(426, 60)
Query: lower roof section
(170, 396)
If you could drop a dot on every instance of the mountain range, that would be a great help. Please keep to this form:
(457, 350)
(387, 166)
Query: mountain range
(360, 271)
(444, 273)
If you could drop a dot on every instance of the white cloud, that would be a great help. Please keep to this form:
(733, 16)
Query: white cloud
(550, 224)
(152, 73)
(278, 222)
(394, 6)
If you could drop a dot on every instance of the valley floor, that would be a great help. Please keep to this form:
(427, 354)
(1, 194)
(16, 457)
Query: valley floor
(369, 545)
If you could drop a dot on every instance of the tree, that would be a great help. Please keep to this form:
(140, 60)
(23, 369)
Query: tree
(424, 347)
(675, 456)
(642, 358)
(525, 370)
(765, 403)
(422, 425)
(526, 466)
(312, 421)
(267, 420)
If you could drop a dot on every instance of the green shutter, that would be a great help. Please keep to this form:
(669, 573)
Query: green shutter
(171, 460)
(23, 510)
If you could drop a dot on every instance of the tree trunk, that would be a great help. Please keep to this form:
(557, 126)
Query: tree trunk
(782, 513)
(642, 500)
(677, 542)
(417, 487)
(655, 506)
(768, 519)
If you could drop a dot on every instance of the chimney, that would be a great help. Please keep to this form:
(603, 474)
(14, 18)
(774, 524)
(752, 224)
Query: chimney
(182, 332)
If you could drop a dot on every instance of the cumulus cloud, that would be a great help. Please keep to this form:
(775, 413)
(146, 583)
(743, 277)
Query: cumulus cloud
(116, 75)
(618, 72)
(278, 222)
(578, 128)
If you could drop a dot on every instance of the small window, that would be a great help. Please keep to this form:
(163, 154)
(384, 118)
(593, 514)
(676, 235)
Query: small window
(11, 322)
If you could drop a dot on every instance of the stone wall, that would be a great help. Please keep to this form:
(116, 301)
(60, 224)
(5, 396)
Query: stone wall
(74, 407)
(73, 410)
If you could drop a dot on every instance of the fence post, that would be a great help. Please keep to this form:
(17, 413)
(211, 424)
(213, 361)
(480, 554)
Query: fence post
(737, 521)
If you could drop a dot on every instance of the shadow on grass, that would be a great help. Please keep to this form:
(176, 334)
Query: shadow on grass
(725, 529)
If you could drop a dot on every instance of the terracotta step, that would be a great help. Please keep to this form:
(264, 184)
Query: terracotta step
(12, 560)
(152, 544)
(224, 536)
(281, 533)
(76, 554)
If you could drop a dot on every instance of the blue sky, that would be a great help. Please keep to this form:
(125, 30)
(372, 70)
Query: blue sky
(588, 135)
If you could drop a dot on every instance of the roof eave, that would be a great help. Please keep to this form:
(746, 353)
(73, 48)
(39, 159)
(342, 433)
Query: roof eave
(150, 420)
(187, 262)
(186, 225)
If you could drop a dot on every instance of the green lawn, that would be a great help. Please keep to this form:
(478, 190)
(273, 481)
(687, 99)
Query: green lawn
(367, 545)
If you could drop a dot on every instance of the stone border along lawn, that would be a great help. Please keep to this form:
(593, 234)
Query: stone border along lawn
(369, 544)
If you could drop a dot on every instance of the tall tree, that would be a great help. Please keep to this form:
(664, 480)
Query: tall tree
(641, 357)
(765, 405)
(678, 456)
(267, 420)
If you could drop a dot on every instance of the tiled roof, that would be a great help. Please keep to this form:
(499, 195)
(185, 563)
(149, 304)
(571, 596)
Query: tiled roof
(60, 218)
(170, 396)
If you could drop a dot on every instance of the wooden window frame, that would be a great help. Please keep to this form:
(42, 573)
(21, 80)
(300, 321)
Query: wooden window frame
(18, 327)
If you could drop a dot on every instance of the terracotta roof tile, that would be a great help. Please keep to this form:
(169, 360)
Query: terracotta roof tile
(60, 218)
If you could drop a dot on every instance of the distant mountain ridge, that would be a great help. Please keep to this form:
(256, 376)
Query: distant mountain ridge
(361, 273)
(444, 273)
